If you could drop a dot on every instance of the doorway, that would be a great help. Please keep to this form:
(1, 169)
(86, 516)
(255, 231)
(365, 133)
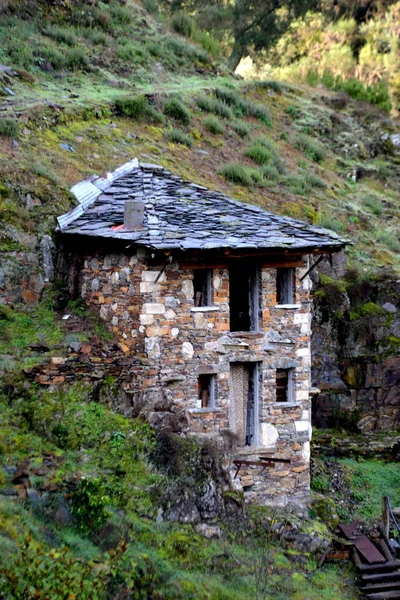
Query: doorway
(244, 381)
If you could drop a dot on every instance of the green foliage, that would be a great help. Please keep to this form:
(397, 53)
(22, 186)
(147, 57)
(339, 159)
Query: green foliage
(135, 107)
(367, 310)
(311, 147)
(214, 105)
(76, 59)
(50, 575)
(177, 136)
(183, 24)
(259, 111)
(121, 15)
(260, 154)
(63, 35)
(270, 84)
(176, 109)
(229, 96)
(242, 128)
(42, 171)
(213, 124)
(89, 503)
(208, 42)
(236, 173)
(9, 128)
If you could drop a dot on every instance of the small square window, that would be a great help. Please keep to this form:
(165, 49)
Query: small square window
(206, 390)
(286, 286)
(284, 385)
(202, 287)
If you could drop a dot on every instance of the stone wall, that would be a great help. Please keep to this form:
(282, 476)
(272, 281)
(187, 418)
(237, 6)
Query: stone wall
(356, 357)
(149, 306)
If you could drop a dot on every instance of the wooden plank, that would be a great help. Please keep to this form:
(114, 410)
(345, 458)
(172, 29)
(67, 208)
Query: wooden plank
(387, 566)
(385, 549)
(375, 577)
(384, 596)
(368, 551)
(385, 516)
(349, 531)
(387, 586)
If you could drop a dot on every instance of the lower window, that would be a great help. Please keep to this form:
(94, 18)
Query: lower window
(206, 390)
(284, 385)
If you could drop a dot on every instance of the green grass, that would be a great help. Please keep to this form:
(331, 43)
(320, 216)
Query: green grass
(177, 136)
(214, 105)
(373, 204)
(389, 239)
(135, 107)
(370, 480)
(242, 128)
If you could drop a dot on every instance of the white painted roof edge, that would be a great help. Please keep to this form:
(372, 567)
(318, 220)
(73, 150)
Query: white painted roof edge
(88, 190)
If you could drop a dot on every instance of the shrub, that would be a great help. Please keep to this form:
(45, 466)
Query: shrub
(271, 84)
(253, 109)
(259, 154)
(134, 107)
(53, 56)
(76, 58)
(237, 174)
(20, 54)
(213, 124)
(98, 38)
(183, 24)
(62, 35)
(221, 109)
(231, 97)
(183, 49)
(242, 128)
(89, 504)
(270, 173)
(121, 15)
(205, 102)
(313, 149)
(314, 180)
(177, 136)
(9, 128)
(177, 110)
(207, 41)
(332, 223)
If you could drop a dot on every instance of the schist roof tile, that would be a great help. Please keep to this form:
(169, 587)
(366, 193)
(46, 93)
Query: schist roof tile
(182, 215)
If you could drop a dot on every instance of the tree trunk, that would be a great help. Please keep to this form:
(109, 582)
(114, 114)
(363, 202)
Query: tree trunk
(236, 55)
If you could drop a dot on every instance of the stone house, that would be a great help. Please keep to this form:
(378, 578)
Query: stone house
(214, 295)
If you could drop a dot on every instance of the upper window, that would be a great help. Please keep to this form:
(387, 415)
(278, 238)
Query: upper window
(244, 297)
(285, 286)
(202, 287)
(284, 385)
(206, 390)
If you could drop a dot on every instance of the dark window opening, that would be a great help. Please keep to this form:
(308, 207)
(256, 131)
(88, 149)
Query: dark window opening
(206, 390)
(286, 286)
(202, 287)
(244, 297)
(284, 385)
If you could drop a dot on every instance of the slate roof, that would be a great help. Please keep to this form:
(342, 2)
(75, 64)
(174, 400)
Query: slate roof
(182, 215)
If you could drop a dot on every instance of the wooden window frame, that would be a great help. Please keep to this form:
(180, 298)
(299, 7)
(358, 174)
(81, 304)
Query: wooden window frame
(252, 279)
(289, 387)
(286, 285)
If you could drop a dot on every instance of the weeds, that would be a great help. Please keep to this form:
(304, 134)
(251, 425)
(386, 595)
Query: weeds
(62, 35)
(242, 128)
(389, 239)
(135, 107)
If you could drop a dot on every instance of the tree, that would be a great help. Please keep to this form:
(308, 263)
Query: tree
(244, 26)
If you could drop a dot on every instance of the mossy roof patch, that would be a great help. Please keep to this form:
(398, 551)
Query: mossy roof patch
(179, 214)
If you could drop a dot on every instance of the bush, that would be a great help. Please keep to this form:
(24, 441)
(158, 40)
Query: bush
(76, 58)
(259, 154)
(213, 124)
(270, 173)
(313, 149)
(98, 38)
(183, 49)
(9, 128)
(242, 128)
(177, 110)
(89, 504)
(210, 44)
(62, 35)
(332, 223)
(231, 97)
(56, 58)
(237, 174)
(205, 102)
(276, 86)
(135, 107)
(221, 109)
(253, 109)
(20, 55)
(183, 24)
(121, 15)
(177, 136)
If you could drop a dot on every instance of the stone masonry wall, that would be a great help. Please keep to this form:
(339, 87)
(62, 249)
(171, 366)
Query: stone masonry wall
(154, 316)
